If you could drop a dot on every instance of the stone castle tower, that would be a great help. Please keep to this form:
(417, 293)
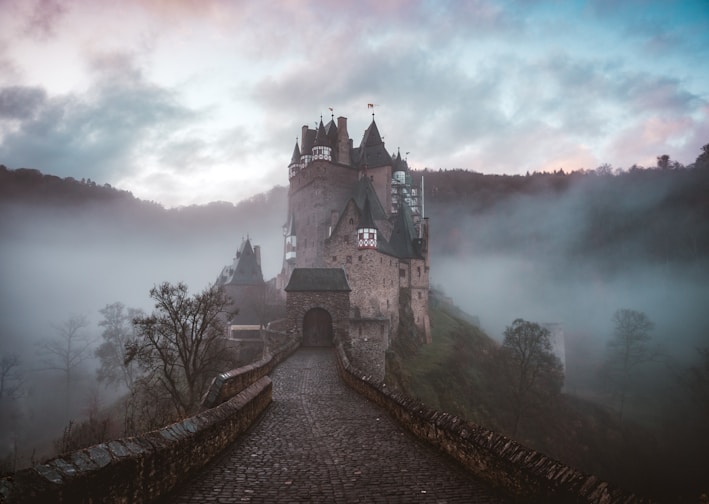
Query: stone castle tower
(355, 210)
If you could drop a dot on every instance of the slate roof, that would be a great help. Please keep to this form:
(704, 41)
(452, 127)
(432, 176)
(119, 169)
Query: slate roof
(245, 270)
(295, 158)
(318, 279)
(399, 164)
(366, 220)
(331, 130)
(371, 152)
(403, 237)
(363, 191)
(321, 138)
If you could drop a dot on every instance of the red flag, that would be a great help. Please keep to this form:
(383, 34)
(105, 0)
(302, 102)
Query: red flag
(370, 105)
(330, 109)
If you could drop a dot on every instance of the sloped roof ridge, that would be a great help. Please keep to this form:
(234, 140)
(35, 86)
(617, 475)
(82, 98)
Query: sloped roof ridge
(318, 279)
(371, 137)
(295, 158)
(321, 138)
(367, 221)
(404, 232)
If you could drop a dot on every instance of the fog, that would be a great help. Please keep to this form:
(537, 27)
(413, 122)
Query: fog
(60, 261)
(544, 257)
(539, 258)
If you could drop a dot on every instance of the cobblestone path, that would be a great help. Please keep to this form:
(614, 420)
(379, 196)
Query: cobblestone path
(321, 442)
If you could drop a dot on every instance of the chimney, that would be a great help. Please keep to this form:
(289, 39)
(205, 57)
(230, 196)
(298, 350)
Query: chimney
(257, 253)
(343, 141)
(303, 136)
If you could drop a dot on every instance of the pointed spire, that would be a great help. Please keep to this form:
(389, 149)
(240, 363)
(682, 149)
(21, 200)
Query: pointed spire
(321, 139)
(295, 158)
(367, 221)
(372, 137)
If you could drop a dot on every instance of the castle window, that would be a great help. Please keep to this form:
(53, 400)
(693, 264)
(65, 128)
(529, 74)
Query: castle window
(349, 260)
(419, 295)
(359, 258)
(419, 271)
(346, 239)
(351, 221)
(402, 273)
(334, 258)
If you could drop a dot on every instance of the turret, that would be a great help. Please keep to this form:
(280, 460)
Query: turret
(366, 230)
(294, 165)
(322, 148)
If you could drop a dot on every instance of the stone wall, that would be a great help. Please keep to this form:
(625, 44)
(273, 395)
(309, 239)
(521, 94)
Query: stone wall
(143, 468)
(522, 473)
(368, 341)
(226, 385)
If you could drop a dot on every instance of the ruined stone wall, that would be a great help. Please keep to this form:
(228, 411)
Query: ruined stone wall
(522, 473)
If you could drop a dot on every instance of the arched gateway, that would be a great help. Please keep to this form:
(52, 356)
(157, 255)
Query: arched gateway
(317, 328)
(318, 304)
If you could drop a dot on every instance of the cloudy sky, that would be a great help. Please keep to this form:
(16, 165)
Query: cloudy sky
(191, 101)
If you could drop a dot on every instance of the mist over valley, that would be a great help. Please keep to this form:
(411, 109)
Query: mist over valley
(569, 249)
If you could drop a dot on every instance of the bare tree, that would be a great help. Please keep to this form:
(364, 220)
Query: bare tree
(532, 376)
(181, 343)
(697, 380)
(116, 369)
(626, 350)
(10, 415)
(68, 350)
(10, 378)
(117, 333)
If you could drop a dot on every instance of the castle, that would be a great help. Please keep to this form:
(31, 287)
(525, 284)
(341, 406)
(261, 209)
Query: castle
(355, 221)
(355, 248)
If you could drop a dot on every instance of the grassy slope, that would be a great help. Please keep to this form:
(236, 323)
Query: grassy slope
(451, 374)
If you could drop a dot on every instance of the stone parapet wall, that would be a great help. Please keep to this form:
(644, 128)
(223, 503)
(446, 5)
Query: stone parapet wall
(226, 385)
(143, 468)
(524, 474)
(368, 341)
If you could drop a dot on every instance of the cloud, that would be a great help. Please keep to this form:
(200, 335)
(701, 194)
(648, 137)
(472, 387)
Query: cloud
(43, 19)
(94, 135)
(17, 102)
